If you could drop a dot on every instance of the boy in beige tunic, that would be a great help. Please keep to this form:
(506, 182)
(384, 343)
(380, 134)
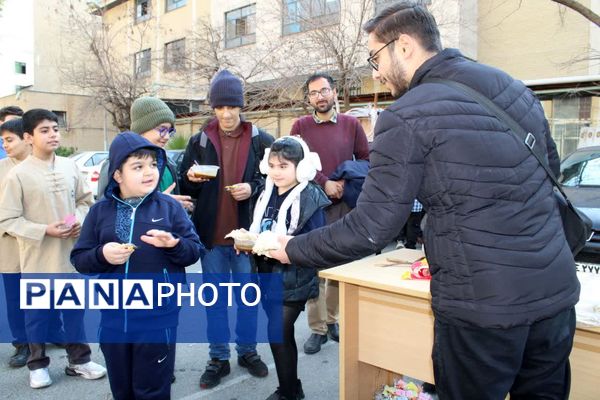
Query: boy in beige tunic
(43, 202)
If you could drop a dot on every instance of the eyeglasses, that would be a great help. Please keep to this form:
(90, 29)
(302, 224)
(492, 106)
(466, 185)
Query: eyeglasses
(164, 132)
(371, 60)
(324, 92)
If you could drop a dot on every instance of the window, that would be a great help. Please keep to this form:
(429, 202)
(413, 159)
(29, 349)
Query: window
(142, 63)
(383, 4)
(304, 15)
(20, 68)
(96, 159)
(175, 4)
(62, 118)
(174, 55)
(142, 10)
(567, 120)
(581, 168)
(240, 26)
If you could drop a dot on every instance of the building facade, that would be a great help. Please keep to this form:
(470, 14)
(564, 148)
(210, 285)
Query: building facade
(171, 48)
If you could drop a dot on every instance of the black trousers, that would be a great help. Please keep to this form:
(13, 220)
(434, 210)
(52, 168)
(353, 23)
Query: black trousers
(529, 362)
(285, 354)
(412, 229)
(140, 371)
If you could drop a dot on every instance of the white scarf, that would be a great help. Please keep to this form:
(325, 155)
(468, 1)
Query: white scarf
(292, 200)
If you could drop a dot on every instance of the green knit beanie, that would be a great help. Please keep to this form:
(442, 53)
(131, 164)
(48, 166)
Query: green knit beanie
(149, 112)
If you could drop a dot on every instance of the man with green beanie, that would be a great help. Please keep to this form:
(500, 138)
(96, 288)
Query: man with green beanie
(223, 204)
(152, 119)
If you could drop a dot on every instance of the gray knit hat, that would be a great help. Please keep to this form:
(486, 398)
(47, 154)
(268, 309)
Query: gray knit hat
(226, 90)
(149, 112)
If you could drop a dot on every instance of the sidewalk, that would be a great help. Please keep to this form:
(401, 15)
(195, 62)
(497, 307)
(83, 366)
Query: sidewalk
(319, 374)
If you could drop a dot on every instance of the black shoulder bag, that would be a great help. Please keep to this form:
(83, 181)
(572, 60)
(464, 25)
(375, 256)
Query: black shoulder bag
(577, 226)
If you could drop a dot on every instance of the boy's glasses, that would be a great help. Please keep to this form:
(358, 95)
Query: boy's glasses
(371, 60)
(324, 92)
(165, 132)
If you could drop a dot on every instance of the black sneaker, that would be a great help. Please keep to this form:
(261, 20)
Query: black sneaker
(254, 364)
(299, 391)
(278, 396)
(215, 370)
(19, 359)
(333, 331)
(314, 342)
(429, 388)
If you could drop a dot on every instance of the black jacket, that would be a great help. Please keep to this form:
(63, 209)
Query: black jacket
(494, 237)
(202, 150)
(299, 284)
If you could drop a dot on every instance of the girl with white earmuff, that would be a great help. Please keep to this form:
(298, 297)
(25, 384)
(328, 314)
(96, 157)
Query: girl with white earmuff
(290, 205)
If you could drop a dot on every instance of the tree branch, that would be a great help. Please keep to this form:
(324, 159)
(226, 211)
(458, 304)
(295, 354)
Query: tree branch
(581, 9)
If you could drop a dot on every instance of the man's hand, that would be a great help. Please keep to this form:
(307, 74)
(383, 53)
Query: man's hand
(192, 178)
(116, 253)
(58, 230)
(241, 191)
(334, 189)
(281, 254)
(185, 201)
(158, 238)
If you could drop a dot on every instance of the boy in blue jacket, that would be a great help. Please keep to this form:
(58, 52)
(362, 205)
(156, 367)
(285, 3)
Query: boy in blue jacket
(138, 345)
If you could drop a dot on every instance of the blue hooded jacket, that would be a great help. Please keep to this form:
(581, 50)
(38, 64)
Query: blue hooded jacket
(113, 220)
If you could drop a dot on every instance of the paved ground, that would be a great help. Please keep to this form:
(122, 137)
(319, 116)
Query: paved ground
(318, 372)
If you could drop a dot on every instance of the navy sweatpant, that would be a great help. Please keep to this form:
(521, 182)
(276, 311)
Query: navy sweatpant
(529, 362)
(140, 371)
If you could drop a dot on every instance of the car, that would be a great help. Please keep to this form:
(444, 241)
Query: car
(176, 156)
(580, 179)
(89, 163)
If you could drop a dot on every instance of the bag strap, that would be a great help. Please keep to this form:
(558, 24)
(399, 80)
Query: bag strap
(515, 129)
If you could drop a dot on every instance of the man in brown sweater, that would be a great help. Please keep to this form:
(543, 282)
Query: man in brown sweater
(336, 138)
(223, 204)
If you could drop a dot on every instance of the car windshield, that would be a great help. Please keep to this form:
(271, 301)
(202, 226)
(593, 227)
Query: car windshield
(581, 168)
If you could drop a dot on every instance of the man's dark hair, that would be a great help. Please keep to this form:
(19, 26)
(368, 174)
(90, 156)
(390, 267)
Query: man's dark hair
(10, 110)
(141, 154)
(288, 149)
(319, 75)
(13, 126)
(406, 17)
(32, 118)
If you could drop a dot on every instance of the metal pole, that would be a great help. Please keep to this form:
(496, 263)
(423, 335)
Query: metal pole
(105, 133)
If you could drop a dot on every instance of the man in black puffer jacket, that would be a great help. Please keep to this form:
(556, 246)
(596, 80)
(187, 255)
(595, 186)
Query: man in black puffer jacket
(503, 278)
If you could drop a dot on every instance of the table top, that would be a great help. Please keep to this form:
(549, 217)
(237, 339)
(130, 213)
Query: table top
(370, 272)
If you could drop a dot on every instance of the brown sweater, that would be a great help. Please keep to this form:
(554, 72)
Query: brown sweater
(227, 209)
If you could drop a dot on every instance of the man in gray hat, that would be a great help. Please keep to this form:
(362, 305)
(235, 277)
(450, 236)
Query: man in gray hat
(223, 204)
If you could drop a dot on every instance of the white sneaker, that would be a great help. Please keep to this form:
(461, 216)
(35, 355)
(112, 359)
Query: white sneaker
(39, 378)
(89, 370)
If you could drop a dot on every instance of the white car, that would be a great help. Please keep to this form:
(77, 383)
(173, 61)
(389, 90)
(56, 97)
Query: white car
(89, 163)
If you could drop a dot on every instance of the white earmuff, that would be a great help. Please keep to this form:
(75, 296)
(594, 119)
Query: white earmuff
(264, 163)
(307, 167)
(311, 163)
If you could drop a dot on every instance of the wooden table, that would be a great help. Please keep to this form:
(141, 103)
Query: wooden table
(386, 330)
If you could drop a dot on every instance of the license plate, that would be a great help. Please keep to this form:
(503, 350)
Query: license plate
(587, 267)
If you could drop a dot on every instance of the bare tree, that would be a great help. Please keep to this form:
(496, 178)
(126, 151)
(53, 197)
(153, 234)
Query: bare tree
(330, 40)
(581, 9)
(97, 68)
(270, 80)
